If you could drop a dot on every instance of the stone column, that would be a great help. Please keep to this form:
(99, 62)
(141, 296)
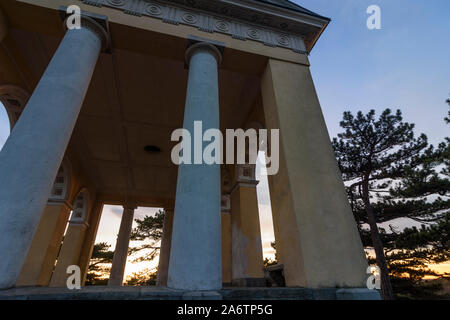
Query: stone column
(164, 252)
(195, 255)
(89, 239)
(30, 158)
(121, 252)
(247, 254)
(316, 235)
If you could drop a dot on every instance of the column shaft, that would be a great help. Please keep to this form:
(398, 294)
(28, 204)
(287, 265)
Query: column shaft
(164, 253)
(89, 239)
(195, 255)
(33, 153)
(121, 251)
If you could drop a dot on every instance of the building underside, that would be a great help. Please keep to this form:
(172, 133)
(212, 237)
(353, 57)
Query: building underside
(93, 110)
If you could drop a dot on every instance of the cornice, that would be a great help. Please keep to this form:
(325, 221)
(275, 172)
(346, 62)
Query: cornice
(246, 20)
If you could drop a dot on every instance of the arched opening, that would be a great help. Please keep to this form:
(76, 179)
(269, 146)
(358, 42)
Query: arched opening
(12, 102)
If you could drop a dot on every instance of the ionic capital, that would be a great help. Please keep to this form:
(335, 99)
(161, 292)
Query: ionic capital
(196, 44)
(97, 24)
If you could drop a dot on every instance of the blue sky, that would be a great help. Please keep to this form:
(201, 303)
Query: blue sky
(404, 65)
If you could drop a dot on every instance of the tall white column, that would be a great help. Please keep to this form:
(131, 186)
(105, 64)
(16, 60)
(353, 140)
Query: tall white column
(33, 153)
(195, 255)
(164, 252)
(121, 252)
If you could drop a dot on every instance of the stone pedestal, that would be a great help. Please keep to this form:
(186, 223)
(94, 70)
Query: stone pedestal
(358, 294)
(158, 293)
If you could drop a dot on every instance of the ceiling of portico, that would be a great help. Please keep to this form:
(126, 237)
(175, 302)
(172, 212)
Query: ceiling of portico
(136, 98)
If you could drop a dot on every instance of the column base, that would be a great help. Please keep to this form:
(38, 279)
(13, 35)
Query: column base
(357, 294)
(162, 293)
(202, 295)
(249, 282)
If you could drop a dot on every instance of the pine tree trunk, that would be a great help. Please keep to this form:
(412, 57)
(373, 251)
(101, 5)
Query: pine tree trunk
(386, 287)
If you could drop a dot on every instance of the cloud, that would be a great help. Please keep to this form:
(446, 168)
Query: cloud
(118, 210)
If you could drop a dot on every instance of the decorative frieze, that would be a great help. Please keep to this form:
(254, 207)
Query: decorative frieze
(209, 17)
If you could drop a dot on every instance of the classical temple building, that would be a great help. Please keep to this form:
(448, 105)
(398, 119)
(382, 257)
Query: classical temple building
(92, 110)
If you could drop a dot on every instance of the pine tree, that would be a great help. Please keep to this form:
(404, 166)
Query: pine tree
(150, 228)
(369, 152)
(101, 255)
(422, 193)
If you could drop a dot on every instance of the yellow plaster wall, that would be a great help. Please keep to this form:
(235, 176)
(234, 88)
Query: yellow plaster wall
(316, 235)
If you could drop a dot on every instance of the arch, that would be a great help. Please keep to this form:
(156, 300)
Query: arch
(63, 182)
(14, 99)
(80, 207)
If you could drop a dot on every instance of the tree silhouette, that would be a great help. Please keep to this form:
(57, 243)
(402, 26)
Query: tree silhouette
(390, 175)
(371, 150)
(149, 228)
(101, 255)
